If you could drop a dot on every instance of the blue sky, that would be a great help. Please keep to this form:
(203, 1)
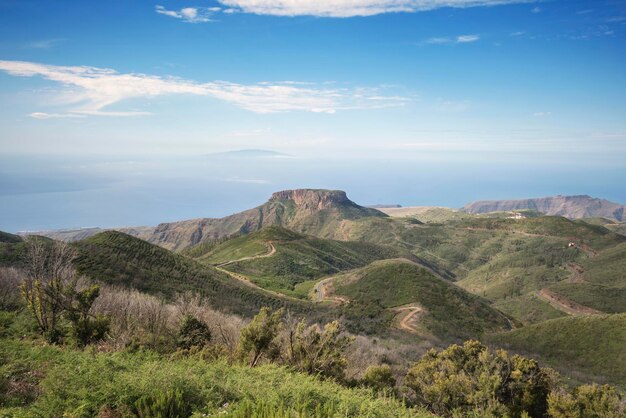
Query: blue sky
(100, 100)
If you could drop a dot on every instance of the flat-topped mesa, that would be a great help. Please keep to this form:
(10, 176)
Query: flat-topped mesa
(313, 199)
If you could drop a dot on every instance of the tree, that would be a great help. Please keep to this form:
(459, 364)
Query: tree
(318, 352)
(49, 271)
(86, 327)
(587, 401)
(53, 290)
(468, 377)
(193, 333)
(260, 336)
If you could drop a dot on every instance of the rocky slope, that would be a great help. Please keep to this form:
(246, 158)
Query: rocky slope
(310, 211)
(573, 207)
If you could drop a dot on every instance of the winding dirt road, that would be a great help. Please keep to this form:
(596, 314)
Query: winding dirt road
(410, 314)
(271, 251)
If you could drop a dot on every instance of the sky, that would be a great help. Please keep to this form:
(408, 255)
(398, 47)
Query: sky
(118, 113)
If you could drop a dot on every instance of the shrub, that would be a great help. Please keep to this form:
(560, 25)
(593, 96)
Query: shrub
(259, 337)
(380, 378)
(169, 404)
(463, 378)
(318, 352)
(586, 401)
(193, 333)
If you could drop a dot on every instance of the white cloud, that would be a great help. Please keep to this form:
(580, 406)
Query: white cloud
(541, 114)
(350, 8)
(461, 39)
(42, 115)
(90, 90)
(189, 14)
(536, 10)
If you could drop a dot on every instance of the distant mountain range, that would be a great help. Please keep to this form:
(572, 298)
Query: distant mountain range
(323, 212)
(572, 207)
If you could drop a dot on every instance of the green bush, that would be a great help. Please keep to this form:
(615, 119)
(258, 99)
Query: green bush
(168, 404)
(193, 333)
(587, 401)
(380, 378)
(471, 377)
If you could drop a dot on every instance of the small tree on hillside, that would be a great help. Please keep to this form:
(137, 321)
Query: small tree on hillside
(260, 337)
(193, 333)
(49, 272)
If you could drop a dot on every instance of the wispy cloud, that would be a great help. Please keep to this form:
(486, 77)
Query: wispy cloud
(536, 10)
(91, 90)
(190, 14)
(461, 39)
(43, 43)
(541, 114)
(350, 8)
(43, 115)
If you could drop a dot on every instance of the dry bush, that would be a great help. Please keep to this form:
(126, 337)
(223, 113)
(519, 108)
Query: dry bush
(225, 328)
(368, 351)
(138, 318)
(135, 317)
(10, 279)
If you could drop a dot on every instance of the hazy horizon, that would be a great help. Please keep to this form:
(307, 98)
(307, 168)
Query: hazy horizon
(109, 109)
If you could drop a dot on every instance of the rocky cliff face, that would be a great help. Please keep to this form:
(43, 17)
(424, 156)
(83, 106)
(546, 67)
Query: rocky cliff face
(573, 207)
(311, 200)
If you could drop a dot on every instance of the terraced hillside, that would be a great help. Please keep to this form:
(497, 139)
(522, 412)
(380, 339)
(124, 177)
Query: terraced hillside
(584, 347)
(116, 258)
(377, 292)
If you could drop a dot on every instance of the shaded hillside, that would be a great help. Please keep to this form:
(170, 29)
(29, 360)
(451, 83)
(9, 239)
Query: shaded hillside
(585, 347)
(316, 212)
(573, 207)
(295, 258)
(448, 311)
(8, 238)
(117, 258)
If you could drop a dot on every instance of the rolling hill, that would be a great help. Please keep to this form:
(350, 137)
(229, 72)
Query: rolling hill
(281, 260)
(378, 292)
(120, 259)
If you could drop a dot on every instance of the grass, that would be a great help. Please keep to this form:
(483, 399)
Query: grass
(48, 381)
(528, 309)
(603, 298)
(451, 313)
(584, 347)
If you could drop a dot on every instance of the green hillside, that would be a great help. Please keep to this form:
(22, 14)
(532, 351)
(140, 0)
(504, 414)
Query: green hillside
(117, 258)
(298, 258)
(585, 347)
(449, 312)
(8, 238)
(66, 382)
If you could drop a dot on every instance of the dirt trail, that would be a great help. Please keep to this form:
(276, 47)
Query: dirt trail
(410, 314)
(577, 273)
(322, 289)
(271, 252)
(563, 304)
(248, 282)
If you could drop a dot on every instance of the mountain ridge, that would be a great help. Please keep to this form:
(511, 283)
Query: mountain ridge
(573, 207)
